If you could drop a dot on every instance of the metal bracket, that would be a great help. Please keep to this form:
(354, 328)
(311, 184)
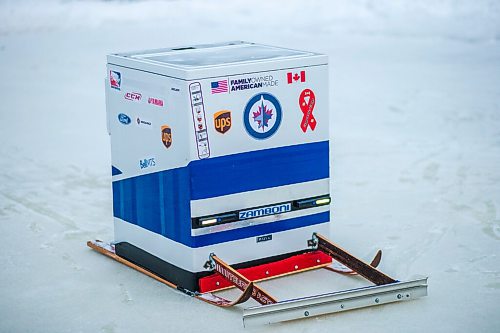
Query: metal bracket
(210, 263)
(313, 242)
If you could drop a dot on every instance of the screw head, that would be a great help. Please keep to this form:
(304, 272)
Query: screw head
(377, 300)
(306, 313)
(296, 267)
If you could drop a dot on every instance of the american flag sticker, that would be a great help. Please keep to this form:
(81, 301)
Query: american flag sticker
(219, 87)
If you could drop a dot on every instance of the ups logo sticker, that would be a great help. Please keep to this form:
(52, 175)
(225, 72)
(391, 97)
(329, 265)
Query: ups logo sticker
(222, 121)
(166, 136)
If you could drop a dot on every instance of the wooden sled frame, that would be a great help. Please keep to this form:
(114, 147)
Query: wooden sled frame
(271, 310)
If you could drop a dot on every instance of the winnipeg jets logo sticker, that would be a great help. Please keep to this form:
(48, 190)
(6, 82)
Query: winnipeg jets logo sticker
(262, 116)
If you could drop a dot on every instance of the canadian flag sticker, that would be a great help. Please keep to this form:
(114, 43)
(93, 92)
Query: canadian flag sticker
(296, 77)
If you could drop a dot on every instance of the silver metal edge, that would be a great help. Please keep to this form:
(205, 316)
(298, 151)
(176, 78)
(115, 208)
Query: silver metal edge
(334, 302)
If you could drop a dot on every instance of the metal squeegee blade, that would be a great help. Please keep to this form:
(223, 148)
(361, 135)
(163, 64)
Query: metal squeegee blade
(334, 302)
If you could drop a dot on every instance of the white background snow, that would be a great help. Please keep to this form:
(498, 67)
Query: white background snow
(415, 105)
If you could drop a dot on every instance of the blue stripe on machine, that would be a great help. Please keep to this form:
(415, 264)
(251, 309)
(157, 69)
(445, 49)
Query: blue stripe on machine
(259, 169)
(160, 201)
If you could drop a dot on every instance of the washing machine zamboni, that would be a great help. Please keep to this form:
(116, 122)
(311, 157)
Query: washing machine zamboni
(221, 173)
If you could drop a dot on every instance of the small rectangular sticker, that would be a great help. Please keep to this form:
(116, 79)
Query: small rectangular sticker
(264, 238)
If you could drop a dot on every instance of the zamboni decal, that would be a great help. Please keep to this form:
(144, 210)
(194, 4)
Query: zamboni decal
(265, 211)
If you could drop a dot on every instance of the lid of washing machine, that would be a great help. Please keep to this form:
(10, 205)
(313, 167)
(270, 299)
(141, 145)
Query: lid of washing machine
(219, 54)
(208, 58)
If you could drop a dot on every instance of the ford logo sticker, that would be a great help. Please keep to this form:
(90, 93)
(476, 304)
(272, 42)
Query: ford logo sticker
(124, 119)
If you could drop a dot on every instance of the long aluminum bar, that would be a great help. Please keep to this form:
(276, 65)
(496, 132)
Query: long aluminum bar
(334, 302)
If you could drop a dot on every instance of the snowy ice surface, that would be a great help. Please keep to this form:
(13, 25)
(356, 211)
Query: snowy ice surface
(415, 104)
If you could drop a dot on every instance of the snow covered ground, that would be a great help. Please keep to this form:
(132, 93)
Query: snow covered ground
(415, 104)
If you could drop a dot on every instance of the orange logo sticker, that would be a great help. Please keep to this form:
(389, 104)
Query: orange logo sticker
(222, 121)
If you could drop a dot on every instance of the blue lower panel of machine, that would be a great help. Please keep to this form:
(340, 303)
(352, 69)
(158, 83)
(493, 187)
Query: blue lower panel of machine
(160, 201)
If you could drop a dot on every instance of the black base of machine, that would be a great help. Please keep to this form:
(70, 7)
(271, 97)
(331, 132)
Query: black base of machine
(177, 275)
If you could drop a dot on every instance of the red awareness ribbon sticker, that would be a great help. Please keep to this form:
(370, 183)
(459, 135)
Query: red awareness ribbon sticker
(307, 100)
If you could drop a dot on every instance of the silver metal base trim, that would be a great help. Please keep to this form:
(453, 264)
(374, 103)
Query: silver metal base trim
(334, 302)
